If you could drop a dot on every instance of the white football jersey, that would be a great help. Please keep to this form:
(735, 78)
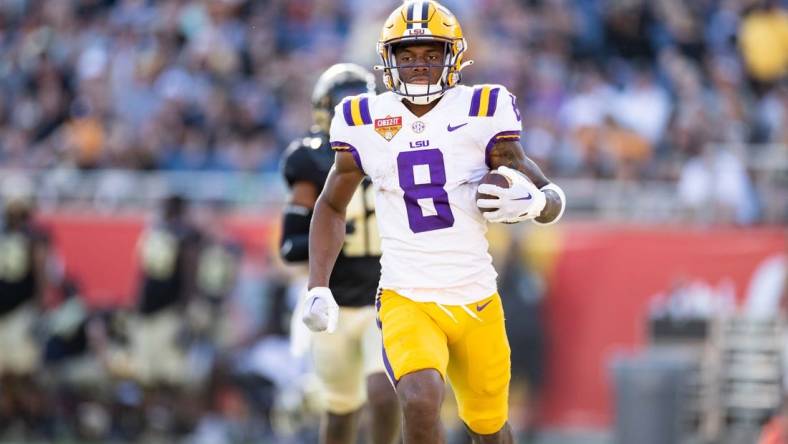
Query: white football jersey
(425, 171)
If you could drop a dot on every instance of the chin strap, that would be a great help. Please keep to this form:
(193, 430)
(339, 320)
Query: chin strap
(417, 94)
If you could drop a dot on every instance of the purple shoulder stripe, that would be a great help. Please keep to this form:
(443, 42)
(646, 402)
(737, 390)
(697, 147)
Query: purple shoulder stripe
(475, 102)
(347, 113)
(364, 107)
(493, 102)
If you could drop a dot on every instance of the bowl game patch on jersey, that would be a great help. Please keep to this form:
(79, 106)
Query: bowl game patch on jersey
(388, 127)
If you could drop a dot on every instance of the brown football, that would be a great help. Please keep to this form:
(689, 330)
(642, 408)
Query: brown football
(494, 179)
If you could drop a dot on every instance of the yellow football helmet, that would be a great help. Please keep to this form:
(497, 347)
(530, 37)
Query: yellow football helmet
(422, 21)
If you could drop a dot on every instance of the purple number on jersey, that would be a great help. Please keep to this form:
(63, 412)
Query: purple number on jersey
(433, 190)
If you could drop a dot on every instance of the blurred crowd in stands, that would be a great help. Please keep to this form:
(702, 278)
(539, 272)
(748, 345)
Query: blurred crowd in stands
(606, 86)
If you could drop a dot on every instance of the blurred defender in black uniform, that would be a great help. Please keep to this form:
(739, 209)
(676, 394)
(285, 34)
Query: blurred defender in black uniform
(168, 253)
(350, 359)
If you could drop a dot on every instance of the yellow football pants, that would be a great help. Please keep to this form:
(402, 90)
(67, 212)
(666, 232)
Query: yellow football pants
(467, 343)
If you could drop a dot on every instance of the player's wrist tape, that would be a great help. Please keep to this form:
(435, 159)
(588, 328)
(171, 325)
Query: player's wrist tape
(318, 290)
(561, 195)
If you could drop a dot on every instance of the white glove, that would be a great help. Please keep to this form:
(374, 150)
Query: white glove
(521, 201)
(320, 312)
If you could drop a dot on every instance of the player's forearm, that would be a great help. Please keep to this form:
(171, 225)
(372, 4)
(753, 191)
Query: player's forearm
(326, 236)
(511, 154)
(554, 205)
(551, 209)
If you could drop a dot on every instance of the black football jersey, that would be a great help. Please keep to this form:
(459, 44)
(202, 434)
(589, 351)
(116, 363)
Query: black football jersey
(17, 273)
(355, 277)
(162, 264)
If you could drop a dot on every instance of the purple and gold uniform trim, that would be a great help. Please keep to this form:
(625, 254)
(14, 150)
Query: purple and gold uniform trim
(503, 136)
(386, 362)
(484, 102)
(356, 111)
(342, 146)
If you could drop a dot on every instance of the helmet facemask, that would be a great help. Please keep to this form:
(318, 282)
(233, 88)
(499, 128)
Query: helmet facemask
(422, 94)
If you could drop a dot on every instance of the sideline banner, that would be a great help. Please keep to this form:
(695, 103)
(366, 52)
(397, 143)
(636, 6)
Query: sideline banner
(100, 250)
(600, 282)
(600, 288)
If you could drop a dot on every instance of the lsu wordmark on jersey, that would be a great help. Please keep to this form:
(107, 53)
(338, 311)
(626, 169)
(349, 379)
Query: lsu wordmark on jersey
(424, 171)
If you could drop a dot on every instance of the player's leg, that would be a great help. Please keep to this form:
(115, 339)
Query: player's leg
(502, 436)
(381, 397)
(143, 345)
(22, 357)
(421, 395)
(339, 367)
(339, 424)
(170, 354)
(384, 409)
(479, 372)
(415, 352)
(21, 362)
(339, 428)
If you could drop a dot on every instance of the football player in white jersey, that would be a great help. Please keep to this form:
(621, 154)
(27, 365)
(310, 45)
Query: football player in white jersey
(425, 145)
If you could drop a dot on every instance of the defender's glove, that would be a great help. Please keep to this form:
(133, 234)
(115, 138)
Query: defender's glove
(521, 201)
(320, 312)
